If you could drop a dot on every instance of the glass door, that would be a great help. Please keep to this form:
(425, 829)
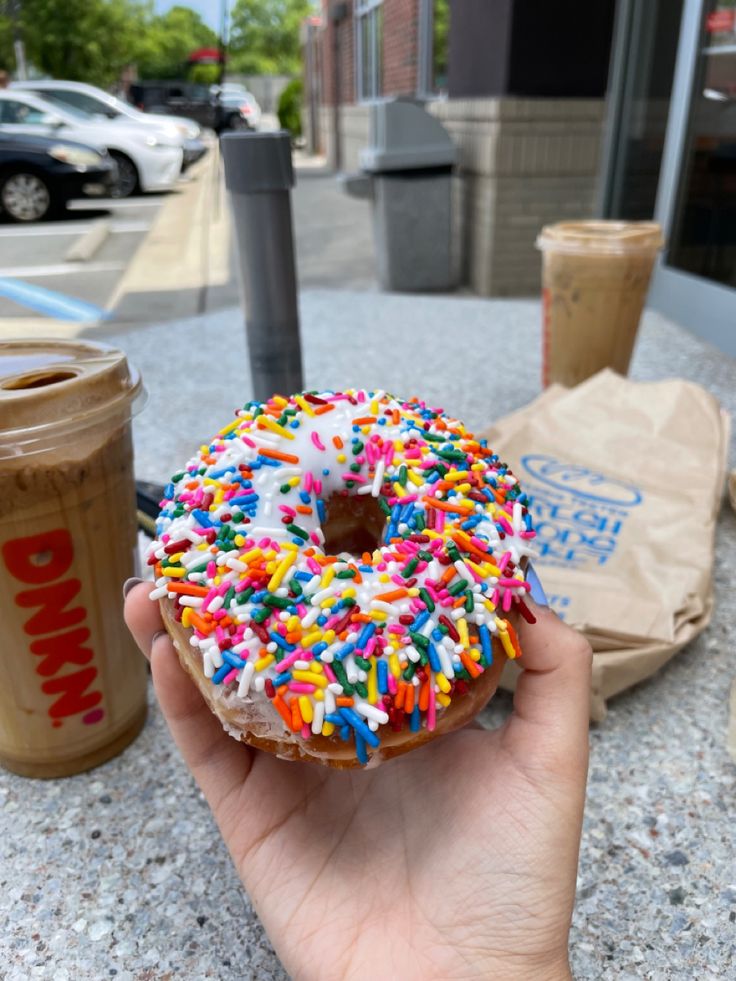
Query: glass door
(695, 282)
(646, 35)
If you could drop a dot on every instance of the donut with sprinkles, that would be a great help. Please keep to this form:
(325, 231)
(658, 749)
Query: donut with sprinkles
(340, 572)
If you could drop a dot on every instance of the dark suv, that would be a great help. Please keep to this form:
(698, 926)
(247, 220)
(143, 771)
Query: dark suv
(187, 99)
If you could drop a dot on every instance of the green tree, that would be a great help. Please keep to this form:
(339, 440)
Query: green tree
(83, 40)
(290, 107)
(7, 58)
(92, 40)
(204, 74)
(440, 43)
(168, 40)
(264, 38)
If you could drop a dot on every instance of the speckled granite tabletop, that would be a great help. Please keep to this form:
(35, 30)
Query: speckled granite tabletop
(121, 873)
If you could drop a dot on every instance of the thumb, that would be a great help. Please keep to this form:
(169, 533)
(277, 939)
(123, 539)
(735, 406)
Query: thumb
(552, 699)
(218, 763)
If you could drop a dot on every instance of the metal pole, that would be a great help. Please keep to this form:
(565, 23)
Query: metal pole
(259, 178)
(337, 15)
(19, 48)
(223, 40)
(311, 72)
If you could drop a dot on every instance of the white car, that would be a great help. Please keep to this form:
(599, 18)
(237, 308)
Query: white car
(147, 160)
(97, 102)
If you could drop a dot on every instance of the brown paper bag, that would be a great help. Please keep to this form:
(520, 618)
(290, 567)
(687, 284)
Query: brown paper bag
(622, 476)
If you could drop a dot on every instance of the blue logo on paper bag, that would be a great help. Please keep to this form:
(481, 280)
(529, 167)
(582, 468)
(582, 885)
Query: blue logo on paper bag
(579, 514)
(581, 481)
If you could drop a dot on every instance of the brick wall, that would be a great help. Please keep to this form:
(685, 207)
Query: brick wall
(524, 163)
(400, 46)
(400, 50)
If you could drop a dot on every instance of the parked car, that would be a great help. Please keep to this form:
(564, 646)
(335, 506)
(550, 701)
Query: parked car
(239, 97)
(146, 161)
(97, 102)
(187, 99)
(38, 175)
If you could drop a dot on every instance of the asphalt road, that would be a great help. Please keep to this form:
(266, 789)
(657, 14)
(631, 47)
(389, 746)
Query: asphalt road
(34, 258)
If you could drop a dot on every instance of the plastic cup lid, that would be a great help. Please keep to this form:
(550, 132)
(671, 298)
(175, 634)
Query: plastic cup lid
(601, 237)
(51, 387)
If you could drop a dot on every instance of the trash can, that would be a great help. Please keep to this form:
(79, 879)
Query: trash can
(407, 173)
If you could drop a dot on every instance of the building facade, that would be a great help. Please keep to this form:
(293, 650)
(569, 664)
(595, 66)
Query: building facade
(546, 130)
(525, 158)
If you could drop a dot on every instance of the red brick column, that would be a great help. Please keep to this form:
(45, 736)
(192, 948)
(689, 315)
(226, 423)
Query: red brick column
(400, 50)
(400, 46)
(346, 37)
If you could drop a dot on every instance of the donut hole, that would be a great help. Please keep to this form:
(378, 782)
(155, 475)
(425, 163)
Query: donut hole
(353, 524)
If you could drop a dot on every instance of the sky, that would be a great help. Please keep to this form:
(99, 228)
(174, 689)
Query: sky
(209, 10)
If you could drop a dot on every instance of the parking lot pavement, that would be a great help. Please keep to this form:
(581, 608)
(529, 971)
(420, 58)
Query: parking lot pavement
(39, 279)
(154, 257)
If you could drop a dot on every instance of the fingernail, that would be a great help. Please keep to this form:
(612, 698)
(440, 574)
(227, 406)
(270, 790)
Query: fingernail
(537, 590)
(149, 653)
(130, 584)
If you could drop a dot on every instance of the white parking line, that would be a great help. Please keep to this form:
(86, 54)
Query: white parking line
(84, 204)
(69, 228)
(60, 269)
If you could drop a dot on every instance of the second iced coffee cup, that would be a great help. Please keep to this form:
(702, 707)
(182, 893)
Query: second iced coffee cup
(74, 686)
(595, 279)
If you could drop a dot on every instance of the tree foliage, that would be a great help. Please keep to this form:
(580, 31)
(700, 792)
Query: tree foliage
(290, 107)
(168, 40)
(84, 40)
(204, 74)
(264, 38)
(440, 43)
(93, 40)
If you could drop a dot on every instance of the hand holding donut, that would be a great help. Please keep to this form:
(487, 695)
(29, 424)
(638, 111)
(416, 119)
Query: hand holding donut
(456, 860)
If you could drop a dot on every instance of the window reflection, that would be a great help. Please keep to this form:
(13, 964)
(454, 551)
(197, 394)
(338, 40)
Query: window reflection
(703, 240)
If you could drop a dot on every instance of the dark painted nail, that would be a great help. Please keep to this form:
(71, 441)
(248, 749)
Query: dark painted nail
(537, 591)
(130, 584)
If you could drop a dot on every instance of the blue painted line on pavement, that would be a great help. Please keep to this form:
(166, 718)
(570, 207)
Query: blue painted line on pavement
(50, 302)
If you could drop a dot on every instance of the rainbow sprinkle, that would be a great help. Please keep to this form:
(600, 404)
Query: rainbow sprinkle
(344, 645)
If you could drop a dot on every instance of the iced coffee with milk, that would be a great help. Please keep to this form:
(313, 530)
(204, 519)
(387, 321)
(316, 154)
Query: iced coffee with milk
(74, 686)
(595, 279)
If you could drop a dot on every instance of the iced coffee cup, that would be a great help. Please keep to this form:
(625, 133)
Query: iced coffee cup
(595, 278)
(74, 686)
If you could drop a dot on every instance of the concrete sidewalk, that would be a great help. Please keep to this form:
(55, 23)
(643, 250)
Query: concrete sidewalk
(333, 233)
(188, 263)
(656, 867)
(478, 358)
(186, 255)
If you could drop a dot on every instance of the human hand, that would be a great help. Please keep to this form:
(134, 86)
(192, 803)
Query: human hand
(455, 861)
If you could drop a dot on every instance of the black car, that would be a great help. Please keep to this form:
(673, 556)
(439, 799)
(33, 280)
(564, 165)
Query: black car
(190, 100)
(39, 174)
